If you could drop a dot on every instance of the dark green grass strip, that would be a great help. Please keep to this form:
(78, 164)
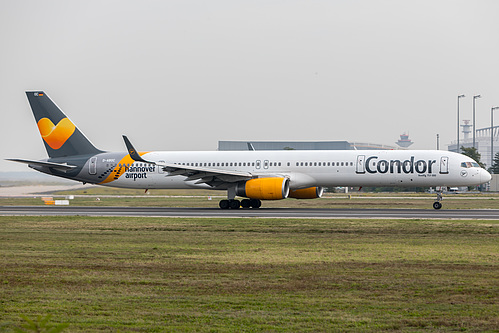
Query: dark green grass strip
(196, 275)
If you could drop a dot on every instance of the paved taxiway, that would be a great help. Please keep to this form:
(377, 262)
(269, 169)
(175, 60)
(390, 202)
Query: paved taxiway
(488, 214)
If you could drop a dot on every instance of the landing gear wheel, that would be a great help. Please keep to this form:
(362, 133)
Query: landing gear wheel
(255, 203)
(224, 204)
(234, 204)
(246, 203)
(437, 205)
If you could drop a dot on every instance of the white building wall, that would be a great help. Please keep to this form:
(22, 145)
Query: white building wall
(482, 143)
(494, 184)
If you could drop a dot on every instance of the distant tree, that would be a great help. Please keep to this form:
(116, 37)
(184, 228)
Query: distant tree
(473, 153)
(495, 167)
(288, 148)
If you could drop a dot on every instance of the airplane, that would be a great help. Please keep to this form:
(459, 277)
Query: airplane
(252, 175)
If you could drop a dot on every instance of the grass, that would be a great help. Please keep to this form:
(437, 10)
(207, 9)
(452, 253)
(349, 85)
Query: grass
(338, 202)
(247, 275)
(108, 196)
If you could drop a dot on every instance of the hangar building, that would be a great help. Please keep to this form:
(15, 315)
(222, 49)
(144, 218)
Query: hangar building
(301, 145)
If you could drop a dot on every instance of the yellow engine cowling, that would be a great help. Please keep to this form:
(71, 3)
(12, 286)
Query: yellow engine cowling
(307, 193)
(274, 188)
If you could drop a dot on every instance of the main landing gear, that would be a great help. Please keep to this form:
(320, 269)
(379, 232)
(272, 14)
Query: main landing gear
(437, 204)
(235, 204)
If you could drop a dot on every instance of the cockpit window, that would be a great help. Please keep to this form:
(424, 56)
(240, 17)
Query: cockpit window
(469, 165)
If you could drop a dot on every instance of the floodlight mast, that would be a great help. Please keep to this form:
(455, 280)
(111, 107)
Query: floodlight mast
(492, 134)
(458, 147)
(474, 131)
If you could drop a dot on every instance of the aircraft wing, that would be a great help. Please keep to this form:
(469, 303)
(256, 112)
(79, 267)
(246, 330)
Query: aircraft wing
(60, 166)
(211, 176)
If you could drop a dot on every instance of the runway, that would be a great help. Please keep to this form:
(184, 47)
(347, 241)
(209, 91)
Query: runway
(487, 214)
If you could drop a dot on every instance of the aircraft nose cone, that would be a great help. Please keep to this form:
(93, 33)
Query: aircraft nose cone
(485, 176)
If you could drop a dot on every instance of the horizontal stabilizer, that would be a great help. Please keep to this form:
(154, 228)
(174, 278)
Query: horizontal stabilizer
(59, 166)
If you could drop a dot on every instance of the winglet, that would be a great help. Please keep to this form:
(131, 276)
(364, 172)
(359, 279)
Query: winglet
(133, 153)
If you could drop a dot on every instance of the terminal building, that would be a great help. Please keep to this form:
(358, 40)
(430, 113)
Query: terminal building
(482, 141)
(301, 145)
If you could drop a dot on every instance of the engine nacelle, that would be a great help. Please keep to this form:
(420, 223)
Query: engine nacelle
(307, 193)
(274, 188)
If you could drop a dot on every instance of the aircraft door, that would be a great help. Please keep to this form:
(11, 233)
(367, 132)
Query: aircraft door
(444, 164)
(360, 166)
(266, 164)
(92, 166)
(160, 169)
(258, 164)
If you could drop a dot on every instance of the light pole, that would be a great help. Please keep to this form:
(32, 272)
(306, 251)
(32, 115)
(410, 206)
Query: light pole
(458, 147)
(492, 134)
(474, 131)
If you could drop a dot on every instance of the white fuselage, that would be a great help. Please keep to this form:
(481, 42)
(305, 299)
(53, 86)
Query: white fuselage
(306, 168)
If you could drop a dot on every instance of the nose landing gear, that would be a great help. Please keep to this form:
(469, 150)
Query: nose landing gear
(437, 204)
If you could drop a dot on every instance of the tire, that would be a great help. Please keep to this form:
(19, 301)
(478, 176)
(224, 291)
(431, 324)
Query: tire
(437, 205)
(246, 203)
(224, 204)
(234, 204)
(255, 203)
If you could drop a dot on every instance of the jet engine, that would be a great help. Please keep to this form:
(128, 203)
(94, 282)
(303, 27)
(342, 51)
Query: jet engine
(307, 193)
(274, 188)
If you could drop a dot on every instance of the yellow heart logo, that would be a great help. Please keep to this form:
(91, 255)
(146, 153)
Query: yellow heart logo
(56, 135)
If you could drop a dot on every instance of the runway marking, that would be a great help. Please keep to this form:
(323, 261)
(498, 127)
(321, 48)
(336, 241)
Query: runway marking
(489, 214)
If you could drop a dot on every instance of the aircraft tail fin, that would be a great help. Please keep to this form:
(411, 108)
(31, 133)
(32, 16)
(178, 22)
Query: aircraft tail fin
(60, 136)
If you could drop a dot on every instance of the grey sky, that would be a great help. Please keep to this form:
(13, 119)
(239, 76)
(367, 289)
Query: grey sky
(181, 75)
